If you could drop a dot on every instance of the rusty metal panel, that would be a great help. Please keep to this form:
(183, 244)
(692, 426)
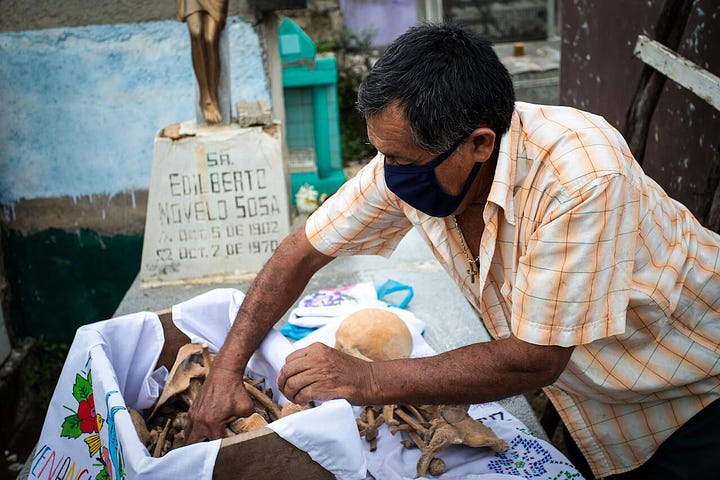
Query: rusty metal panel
(599, 73)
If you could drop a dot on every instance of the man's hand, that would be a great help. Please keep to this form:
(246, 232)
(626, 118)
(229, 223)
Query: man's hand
(319, 372)
(221, 400)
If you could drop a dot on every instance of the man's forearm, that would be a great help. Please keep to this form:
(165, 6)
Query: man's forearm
(278, 284)
(476, 373)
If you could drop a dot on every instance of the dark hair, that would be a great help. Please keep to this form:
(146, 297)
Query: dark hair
(448, 81)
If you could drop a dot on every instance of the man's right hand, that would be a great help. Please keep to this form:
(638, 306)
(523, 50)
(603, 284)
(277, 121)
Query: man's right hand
(223, 397)
(221, 400)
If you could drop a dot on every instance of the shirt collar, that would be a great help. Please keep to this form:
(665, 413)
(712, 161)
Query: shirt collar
(501, 192)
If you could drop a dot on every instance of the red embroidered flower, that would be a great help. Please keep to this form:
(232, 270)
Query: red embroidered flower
(86, 414)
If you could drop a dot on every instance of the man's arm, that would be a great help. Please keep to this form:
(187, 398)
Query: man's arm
(279, 283)
(476, 373)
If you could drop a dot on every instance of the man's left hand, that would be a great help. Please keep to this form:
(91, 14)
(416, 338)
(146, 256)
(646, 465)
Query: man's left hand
(319, 372)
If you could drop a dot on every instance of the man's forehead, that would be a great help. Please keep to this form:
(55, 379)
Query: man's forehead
(388, 128)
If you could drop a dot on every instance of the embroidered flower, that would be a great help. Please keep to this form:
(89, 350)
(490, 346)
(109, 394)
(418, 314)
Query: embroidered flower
(86, 414)
(85, 419)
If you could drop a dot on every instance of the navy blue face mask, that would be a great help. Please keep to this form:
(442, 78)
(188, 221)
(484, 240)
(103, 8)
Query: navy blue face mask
(418, 185)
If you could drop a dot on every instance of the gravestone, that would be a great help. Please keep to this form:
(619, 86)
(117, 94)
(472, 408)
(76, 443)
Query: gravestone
(217, 206)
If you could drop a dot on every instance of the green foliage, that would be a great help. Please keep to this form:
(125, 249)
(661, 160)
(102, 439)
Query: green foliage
(358, 41)
(354, 144)
(353, 136)
(326, 46)
(43, 378)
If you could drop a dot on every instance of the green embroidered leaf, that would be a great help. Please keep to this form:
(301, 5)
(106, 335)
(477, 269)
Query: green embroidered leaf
(102, 475)
(71, 427)
(82, 388)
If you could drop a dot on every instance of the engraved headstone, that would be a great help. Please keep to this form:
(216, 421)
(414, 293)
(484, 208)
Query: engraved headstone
(217, 206)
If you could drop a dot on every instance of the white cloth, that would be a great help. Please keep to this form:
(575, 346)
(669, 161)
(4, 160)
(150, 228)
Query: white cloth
(209, 316)
(108, 368)
(113, 361)
(528, 456)
(318, 308)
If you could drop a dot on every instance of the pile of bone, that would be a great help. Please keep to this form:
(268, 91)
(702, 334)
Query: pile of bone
(377, 334)
(370, 334)
(164, 428)
(431, 428)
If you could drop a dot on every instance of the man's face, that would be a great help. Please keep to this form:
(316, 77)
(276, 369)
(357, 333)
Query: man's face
(457, 174)
(389, 132)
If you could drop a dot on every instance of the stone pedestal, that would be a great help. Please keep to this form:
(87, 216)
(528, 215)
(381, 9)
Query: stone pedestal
(217, 206)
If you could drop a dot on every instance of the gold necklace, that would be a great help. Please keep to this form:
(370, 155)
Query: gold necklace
(472, 263)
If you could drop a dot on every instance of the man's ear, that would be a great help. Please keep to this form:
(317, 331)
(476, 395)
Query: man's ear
(483, 140)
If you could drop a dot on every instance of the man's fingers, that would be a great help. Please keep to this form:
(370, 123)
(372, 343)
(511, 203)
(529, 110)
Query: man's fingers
(199, 432)
(194, 436)
(303, 353)
(295, 364)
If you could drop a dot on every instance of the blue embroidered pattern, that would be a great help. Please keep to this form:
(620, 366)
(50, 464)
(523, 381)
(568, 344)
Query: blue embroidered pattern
(526, 458)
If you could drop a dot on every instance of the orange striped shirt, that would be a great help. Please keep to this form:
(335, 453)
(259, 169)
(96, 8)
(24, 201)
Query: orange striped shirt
(580, 248)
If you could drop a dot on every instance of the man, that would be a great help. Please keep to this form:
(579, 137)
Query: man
(205, 20)
(594, 284)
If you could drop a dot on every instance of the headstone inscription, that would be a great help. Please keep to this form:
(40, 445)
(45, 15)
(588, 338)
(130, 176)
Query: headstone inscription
(217, 204)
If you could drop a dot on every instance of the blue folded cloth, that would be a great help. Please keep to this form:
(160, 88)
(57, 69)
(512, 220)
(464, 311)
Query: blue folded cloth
(295, 332)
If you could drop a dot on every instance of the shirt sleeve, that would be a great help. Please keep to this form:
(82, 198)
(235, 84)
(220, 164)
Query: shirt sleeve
(361, 218)
(574, 277)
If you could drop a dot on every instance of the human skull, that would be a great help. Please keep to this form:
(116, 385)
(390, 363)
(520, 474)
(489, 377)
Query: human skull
(374, 334)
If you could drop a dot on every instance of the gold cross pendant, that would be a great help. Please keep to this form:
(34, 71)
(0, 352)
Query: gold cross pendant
(471, 271)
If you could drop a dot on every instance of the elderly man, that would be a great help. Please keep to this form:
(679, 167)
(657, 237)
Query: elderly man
(594, 284)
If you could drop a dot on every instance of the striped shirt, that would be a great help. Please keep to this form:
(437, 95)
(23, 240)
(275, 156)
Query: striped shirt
(581, 249)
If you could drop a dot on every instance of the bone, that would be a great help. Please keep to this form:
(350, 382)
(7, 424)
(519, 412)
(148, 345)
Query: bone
(183, 371)
(248, 424)
(160, 445)
(411, 421)
(264, 400)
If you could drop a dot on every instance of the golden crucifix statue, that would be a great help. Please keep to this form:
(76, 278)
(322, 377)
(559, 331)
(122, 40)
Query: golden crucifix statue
(205, 20)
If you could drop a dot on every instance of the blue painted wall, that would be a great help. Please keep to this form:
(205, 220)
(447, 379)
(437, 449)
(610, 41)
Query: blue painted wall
(81, 106)
(79, 111)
